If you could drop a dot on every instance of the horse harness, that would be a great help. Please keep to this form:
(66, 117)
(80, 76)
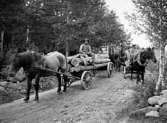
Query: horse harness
(138, 59)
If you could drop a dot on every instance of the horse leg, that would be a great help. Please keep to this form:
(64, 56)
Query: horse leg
(29, 84)
(65, 83)
(131, 70)
(36, 87)
(138, 77)
(59, 83)
(142, 75)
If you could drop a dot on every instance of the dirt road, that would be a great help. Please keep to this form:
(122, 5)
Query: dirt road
(97, 105)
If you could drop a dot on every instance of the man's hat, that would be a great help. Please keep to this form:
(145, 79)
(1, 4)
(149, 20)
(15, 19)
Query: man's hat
(86, 39)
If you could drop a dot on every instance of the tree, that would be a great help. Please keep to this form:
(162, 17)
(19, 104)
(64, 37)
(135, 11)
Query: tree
(156, 22)
(11, 19)
(49, 24)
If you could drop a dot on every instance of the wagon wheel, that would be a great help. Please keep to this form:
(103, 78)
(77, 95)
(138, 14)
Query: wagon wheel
(86, 80)
(109, 69)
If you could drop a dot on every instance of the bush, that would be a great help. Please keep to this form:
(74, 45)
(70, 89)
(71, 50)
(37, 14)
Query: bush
(143, 92)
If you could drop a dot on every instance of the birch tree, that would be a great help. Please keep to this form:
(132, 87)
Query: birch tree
(154, 13)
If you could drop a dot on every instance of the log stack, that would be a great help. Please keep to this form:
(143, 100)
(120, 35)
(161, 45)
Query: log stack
(84, 60)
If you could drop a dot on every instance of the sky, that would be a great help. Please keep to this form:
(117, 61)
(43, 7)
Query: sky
(123, 7)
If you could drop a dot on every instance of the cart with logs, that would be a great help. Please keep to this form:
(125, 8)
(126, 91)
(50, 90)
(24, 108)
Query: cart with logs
(85, 67)
(84, 73)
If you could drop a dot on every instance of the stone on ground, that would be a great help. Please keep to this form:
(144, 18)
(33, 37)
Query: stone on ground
(163, 111)
(141, 112)
(154, 100)
(4, 83)
(162, 101)
(152, 114)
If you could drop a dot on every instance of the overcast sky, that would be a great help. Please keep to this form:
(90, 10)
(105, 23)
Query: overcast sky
(121, 7)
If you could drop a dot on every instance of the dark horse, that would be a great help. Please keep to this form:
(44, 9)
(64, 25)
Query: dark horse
(28, 60)
(117, 56)
(140, 63)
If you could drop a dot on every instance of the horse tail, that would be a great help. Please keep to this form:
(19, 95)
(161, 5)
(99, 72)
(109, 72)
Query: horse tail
(62, 60)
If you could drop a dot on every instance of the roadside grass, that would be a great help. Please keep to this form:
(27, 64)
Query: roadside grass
(140, 97)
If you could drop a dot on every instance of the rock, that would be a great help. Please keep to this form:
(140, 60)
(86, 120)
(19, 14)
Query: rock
(13, 86)
(142, 112)
(152, 114)
(164, 92)
(163, 111)
(4, 83)
(157, 106)
(154, 100)
(162, 101)
(20, 75)
(2, 88)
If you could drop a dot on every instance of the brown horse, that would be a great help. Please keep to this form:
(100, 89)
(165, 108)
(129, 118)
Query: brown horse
(117, 56)
(140, 63)
(28, 60)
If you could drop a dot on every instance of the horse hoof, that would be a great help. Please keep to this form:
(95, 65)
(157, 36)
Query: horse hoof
(59, 92)
(36, 100)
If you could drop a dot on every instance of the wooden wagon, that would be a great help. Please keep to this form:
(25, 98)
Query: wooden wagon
(86, 73)
(127, 71)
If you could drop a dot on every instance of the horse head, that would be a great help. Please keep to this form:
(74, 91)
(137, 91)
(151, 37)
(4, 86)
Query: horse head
(14, 65)
(25, 60)
(150, 54)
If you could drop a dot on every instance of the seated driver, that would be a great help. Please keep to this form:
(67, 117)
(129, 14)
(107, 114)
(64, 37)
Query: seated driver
(85, 48)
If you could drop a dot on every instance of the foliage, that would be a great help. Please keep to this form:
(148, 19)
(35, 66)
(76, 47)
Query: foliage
(143, 93)
(147, 90)
(152, 18)
(54, 23)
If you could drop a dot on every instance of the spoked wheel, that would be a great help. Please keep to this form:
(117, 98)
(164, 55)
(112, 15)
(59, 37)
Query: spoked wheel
(109, 69)
(86, 80)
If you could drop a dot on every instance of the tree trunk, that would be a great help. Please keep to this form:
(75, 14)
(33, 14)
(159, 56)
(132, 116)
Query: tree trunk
(68, 22)
(67, 48)
(161, 69)
(2, 42)
(27, 37)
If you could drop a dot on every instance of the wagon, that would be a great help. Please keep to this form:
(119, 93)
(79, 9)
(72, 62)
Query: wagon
(127, 71)
(86, 73)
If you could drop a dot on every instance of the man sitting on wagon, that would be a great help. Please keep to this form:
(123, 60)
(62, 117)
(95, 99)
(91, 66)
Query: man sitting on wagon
(85, 48)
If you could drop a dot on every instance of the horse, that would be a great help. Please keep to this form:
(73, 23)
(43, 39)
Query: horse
(117, 56)
(28, 60)
(140, 62)
(122, 58)
(114, 56)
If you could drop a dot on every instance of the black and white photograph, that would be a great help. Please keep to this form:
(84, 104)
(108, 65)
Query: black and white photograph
(83, 61)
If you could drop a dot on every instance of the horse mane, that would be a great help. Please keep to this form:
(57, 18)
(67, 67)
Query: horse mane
(26, 59)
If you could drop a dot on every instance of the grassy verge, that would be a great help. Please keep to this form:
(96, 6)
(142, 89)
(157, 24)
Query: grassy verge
(141, 95)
